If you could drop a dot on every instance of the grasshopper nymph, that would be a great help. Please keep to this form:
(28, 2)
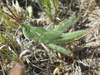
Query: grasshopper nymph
(50, 37)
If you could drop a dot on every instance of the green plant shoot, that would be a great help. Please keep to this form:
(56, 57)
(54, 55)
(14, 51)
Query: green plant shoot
(48, 8)
(51, 37)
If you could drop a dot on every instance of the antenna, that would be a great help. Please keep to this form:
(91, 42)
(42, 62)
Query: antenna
(15, 18)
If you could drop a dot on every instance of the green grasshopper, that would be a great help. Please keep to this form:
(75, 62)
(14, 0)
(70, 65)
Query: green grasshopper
(50, 37)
